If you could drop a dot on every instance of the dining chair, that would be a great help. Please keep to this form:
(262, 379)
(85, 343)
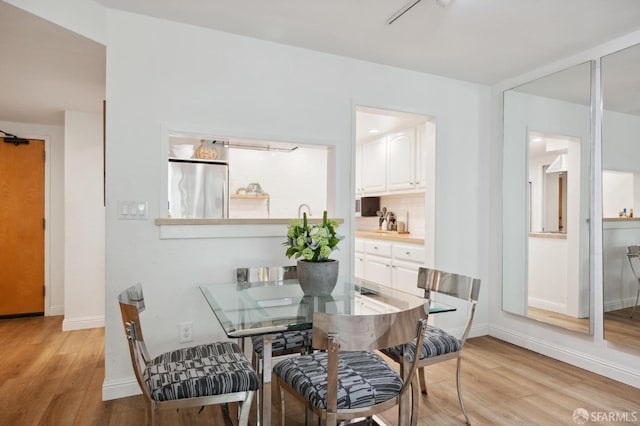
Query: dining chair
(346, 378)
(216, 373)
(285, 343)
(438, 345)
(633, 254)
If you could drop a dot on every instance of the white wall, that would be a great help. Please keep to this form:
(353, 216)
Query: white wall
(84, 221)
(290, 179)
(54, 207)
(174, 76)
(618, 192)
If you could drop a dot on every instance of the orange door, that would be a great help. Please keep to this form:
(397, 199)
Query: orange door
(21, 228)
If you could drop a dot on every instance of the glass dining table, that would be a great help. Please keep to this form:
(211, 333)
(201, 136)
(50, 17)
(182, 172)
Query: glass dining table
(246, 309)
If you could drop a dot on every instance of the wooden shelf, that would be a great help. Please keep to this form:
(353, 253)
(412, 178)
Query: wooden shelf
(249, 197)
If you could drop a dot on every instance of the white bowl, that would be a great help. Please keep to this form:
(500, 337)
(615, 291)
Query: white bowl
(183, 151)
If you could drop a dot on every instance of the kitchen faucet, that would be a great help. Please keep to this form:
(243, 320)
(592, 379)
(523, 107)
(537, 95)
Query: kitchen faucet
(300, 209)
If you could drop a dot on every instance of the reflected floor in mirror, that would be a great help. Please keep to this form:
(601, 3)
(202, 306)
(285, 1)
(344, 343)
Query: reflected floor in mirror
(570, 323)
(620, 328)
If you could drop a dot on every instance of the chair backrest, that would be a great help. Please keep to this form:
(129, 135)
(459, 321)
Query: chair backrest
(131, 303)
(633, 254)
(455, 285)
(339, 332)
(266, 273)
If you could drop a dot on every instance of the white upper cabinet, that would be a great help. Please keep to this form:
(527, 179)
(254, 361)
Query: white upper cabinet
(392, 164)
(401, 160)
(374, 166)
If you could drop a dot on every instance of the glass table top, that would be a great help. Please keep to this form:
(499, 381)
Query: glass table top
(257, 308)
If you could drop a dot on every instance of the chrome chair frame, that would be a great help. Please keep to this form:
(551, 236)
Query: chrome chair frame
(334, 333)
(131, 303)
(455, 285)
(245, 277)
(633, 252)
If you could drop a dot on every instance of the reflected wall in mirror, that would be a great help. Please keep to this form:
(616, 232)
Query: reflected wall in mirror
(546, 187)
(621, 194)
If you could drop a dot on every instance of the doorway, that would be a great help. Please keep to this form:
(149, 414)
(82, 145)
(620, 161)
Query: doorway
(22, 171)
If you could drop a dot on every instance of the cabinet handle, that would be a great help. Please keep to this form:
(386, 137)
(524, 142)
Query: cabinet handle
(375, 247)
(408, 253)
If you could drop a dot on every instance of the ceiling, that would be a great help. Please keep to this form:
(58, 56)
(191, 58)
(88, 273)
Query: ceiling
(483, 41)
(46, 70)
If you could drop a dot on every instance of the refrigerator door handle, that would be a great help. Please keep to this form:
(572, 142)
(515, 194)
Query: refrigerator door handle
(225, 203)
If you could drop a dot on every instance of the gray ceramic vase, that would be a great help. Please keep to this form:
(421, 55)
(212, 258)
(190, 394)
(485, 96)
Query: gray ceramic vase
(318, 278)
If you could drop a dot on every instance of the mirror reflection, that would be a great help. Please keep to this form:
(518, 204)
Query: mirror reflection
(547, 128)
(621, 195)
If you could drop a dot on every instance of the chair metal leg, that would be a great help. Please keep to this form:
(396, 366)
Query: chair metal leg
(279, 400)
(246, 409)
(459, 386)
(636, 305)
(256, 364)
(422, 372)
(415, 401)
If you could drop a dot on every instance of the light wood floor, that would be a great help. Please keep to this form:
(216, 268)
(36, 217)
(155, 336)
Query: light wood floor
(50, 377)
(619, 327)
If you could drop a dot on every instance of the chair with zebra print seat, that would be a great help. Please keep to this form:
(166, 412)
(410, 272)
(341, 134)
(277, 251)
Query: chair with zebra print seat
(438, 345)
(201, 375)
(346, 379)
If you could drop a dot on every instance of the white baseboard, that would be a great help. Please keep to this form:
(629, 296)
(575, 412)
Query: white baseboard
(54, 311)
(579, 359)
(614, 305)
(82, 323)
(115, 389)
(547, 305)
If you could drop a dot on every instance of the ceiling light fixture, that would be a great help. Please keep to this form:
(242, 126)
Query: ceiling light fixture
(373, 131)
(407, 7)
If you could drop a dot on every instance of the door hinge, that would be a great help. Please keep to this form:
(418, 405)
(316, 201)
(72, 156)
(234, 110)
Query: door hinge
(44, 223)
(44, 290)
(44, 155)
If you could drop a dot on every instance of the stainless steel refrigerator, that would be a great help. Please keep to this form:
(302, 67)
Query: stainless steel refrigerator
(198, 189)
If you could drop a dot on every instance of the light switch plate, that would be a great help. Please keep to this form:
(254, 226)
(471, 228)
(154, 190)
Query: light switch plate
(133, 210)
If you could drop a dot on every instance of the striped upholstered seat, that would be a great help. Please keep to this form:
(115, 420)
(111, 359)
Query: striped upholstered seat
(436, 342)
(284, 343)
(364, 379)
(203, 370)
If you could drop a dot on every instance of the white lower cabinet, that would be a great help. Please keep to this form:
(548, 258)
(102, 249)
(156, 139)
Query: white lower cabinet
(392, 264)
(377, 269)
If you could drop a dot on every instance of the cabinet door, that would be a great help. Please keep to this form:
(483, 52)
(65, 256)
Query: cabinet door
(401, 160)
(359, 265)
(426, 134)
(374, 166)
(358, 169)
(378, 270)
(405, 278)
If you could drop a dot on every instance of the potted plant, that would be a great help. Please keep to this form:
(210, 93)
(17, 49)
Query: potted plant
(312, 245)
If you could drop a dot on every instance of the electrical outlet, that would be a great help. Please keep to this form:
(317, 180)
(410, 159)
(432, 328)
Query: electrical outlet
(186, 331)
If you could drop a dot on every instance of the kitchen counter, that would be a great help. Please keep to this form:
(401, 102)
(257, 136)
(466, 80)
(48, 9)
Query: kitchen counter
(556, 235)
(389, 236)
